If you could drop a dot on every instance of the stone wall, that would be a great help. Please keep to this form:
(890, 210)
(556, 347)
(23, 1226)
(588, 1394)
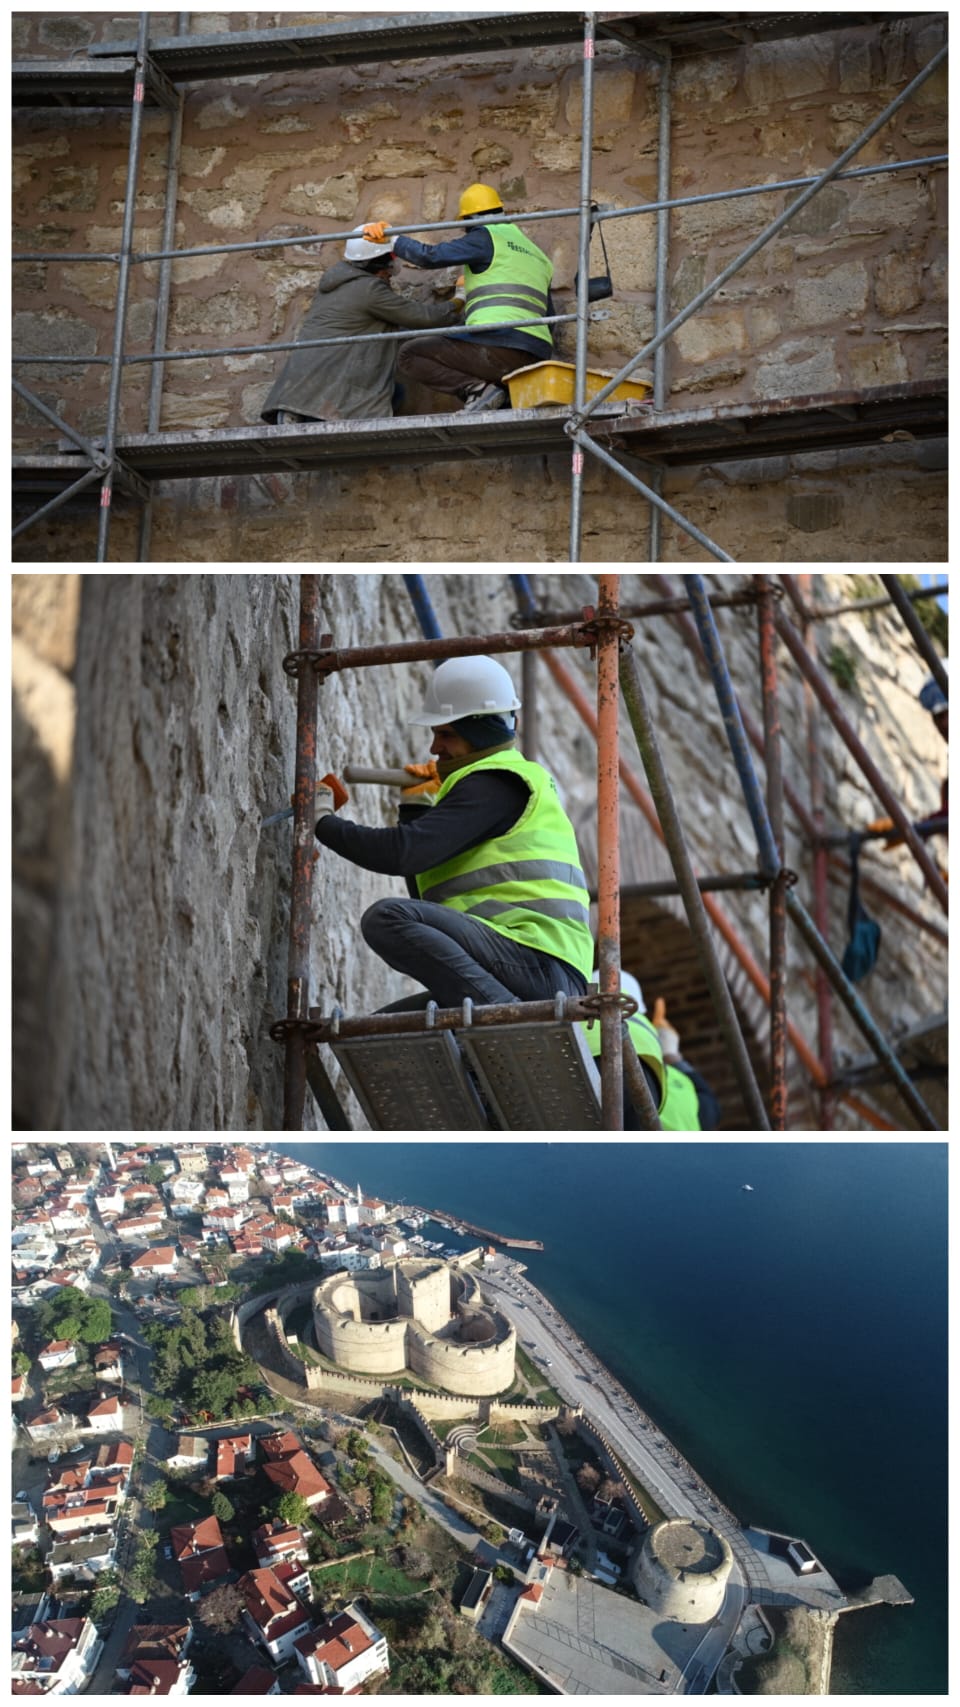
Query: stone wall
(851, 295)
(151, 913)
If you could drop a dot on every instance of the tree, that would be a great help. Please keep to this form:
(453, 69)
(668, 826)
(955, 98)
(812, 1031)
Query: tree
(221, 1507)
(610, 1489)
(221, 1609)
(105, 1596)
(292, 1508)
(588, 1479)
(141, 1574)
(155, 1496)
(154, 1174)
(566, 1424)
(381, 1506)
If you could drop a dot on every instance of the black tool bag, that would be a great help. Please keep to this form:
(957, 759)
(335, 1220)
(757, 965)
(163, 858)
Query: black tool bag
(599, 288)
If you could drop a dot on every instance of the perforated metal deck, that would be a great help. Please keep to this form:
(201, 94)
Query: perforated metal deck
(413, 1082)
(538, 1078)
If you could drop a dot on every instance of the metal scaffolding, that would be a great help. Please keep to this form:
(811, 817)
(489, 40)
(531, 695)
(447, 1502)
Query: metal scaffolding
(148, 72)
(607, 631)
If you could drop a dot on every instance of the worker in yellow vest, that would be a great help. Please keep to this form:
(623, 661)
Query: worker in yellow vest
(683, 1099)
(498, 907)
(507, 279)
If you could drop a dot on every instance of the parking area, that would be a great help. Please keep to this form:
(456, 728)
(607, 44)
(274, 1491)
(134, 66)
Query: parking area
(589, 1640)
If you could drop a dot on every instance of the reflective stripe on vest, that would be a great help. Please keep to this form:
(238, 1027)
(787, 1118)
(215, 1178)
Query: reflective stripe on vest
(645, 1041)
(513, 287)
(527, 883)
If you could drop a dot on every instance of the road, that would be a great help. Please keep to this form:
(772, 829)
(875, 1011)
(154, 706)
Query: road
(575, 1373)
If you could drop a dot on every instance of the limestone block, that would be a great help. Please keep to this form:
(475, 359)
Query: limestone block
(43, 237)
(799, 368)
(52, 332)
(286, 125)
(405, 160)
(764, 324)
(878, 364)
(557, 154)
(706, 81)
(631, 246)
(935, 362)
(783, 70)
(334, 198)
(27, 154)
(216, 113)
(21, 36)
(814, 512)
(443, 117)
(200, 162)
(713, 376)
(95, 281)
(225, 311)
(225, 212)
(194, 267)
(840, 294)
(434, 204)
(72, 189)
(613, 92)
(65, 31)
(706, 336)
(826, 213)
(44, 610)
(532, 112)
(897, 284)
(688, 281)
(735, 221)
(879, 206)
(855, 71)
(936, 279)
(359, 122)
(491, 157)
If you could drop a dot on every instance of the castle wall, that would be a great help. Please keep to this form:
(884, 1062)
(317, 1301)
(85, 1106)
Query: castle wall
(475, 1369)
(851, 295)
(151, 911)
(690, 1596)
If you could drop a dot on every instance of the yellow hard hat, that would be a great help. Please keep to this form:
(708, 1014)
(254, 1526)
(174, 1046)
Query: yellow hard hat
(480, 198)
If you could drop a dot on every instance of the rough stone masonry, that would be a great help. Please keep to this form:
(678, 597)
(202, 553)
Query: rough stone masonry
(851, 295)
(154, 727)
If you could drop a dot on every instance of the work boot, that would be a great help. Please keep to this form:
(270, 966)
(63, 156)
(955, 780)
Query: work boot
(480, 396)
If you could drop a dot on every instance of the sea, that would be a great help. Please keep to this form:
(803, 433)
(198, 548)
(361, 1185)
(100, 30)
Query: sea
(791, 1339)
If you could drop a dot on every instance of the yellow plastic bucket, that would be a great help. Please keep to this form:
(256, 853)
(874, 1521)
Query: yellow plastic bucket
(552, 382)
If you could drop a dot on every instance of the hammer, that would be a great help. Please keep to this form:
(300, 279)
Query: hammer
(397, 778)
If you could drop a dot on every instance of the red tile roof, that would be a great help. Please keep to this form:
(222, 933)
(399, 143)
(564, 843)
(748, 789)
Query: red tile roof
(153, 1677)
(267, 1598)
(298, 1475)
(280, 1445)
(189, 1539)
(337, 1642)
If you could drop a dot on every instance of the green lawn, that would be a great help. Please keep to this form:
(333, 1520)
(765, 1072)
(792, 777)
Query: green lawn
(372, 1573)
(183, 1507)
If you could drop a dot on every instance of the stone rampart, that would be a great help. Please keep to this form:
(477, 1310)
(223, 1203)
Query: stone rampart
(851, 295)
(618, 1470)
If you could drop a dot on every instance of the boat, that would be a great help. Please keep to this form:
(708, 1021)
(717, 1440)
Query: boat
(746, 1188)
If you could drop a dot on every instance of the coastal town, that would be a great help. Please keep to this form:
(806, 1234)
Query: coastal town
(273, 1435)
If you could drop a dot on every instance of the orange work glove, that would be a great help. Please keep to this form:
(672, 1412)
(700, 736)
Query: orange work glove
(429, 785)
(376, 231)
(894, 839)
(669, 1040)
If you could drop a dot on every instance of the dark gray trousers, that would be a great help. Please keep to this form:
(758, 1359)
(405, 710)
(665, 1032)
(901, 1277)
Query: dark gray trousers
(457, 956)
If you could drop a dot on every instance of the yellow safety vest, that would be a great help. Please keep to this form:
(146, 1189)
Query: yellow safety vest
(513, 287)
(647, 1045)
(527, 884)
(681, 1111)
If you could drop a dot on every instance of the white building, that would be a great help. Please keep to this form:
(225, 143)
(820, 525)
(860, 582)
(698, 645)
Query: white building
(105, 1416)
(342, 1213)
(59, 1354)
(272, 1613)
(83, 1557)
(344, 1652)
(59, 1656)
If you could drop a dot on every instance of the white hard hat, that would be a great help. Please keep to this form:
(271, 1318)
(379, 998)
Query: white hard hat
(628, 987)
(359, 248)
(466, 687)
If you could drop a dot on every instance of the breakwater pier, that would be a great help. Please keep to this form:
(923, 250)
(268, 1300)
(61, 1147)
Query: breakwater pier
(458, 1225)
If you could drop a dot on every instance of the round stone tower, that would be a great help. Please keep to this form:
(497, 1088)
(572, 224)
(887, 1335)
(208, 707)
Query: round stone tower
(681, 1570)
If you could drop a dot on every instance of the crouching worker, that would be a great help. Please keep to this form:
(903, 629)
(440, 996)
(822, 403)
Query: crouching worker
(681, 1096)
(507, 279)
(353, 381)
(498, 906)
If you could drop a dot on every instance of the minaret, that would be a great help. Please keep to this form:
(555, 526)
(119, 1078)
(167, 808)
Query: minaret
(107, 1146)
(359, 1194)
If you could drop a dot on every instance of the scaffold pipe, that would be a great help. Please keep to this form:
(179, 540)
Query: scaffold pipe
(301, 894)
(778, 911)
(769, 231)
(608, 853)
(919, 635)
(672, 834)
(426, 615)
(584, 233)
(859, 1013)
(858, 751)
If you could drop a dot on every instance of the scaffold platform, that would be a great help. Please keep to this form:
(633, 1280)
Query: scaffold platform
(104, 76)
(674, 438)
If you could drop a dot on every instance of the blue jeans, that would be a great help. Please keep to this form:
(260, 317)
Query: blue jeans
(457, 956)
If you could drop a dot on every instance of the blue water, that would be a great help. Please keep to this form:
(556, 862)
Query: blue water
(791, 1340)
